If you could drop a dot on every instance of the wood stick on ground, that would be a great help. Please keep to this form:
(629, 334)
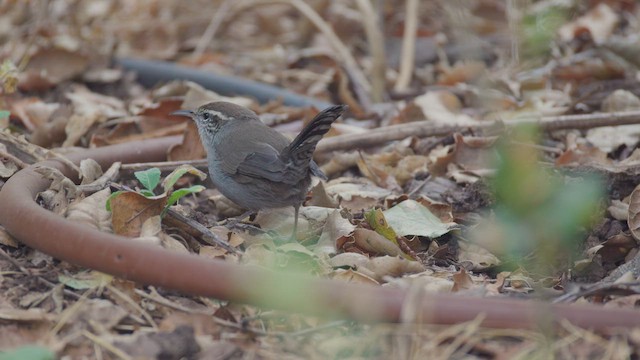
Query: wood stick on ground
(383, 135)
(164, 165)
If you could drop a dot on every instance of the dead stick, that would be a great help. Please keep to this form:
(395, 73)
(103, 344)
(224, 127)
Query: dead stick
(383, 135)
(164, 165)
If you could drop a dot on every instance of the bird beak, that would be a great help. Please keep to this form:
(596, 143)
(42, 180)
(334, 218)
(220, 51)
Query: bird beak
(187, 113)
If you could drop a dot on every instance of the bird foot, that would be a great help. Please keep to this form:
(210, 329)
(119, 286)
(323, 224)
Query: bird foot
(232, 223)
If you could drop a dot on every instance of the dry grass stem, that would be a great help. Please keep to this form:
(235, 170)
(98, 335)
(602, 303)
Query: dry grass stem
(105, 345)
(343, 52)
(124, 297)
(212, 28)
(375, 38)
(408, 46)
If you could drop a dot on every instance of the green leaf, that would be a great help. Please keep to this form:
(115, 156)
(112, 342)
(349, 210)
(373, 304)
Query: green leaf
(412, 218)
(377, 221)
(147, 193)
(176, 174)
(176, 195)
(149, 178)
(90, 280)
(113, 195)
(30, 352)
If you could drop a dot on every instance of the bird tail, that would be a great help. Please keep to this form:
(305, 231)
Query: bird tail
(302, 147)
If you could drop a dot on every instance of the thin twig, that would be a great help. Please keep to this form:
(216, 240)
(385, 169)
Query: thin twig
(69, 312)
(106, 345)
(168, 303)
(212, 28)
(52, 285)
(14, 262)
(375, 38)
(201, 231)
(28, 272)
(542, 148)
(164, 165)
(103, 181)
(135, 305)
(383, 135)
(408, 46)
(513, 19)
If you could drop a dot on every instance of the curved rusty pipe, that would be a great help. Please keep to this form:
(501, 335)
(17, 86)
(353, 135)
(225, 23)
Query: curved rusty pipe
(196, 275)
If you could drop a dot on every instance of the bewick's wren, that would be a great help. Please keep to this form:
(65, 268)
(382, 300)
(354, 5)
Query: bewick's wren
(254, 165)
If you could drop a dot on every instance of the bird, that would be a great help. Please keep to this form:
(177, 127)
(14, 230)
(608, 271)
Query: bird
(254, 165)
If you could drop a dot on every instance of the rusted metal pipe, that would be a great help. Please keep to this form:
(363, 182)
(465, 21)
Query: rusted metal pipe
(195, 275)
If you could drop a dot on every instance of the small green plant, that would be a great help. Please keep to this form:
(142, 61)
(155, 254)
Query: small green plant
(150, 179)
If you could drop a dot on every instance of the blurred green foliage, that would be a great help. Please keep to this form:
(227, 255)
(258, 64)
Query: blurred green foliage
(540, 211)
(539, 29)
(29, 352)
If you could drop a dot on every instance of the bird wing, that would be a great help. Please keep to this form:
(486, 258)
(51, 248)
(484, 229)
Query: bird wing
(264, 163)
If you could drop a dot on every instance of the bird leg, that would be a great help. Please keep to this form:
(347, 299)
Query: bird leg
(294, 234)
(233, 222)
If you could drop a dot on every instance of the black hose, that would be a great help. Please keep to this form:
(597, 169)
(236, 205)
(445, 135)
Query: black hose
(150, 73)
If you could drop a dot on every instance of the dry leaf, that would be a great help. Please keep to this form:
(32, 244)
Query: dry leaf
(356, 193)
(89, 108)
(6, 239)
(334, 228)
(371, 242)
(616, 247)
(600, 22)
(51, 66)
(461, 281)
(7, 168)
(462, 72)
(412, 218)
(392, 266)
(91, 211)
(129, 211)
(619, 210)
(353, 276)
(610, 137)
(191, 147)
(471, 154)
(583, 154)
(443, 108)
(90, 171)
(475, 258)
(61, 192)
(320, 197)
(32, 112)
(151, 231)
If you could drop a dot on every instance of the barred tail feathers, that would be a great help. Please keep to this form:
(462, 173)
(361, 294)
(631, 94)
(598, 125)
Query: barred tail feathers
(302, 147)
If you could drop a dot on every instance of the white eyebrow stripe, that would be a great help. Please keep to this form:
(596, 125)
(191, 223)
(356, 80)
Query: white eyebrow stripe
(218, 114)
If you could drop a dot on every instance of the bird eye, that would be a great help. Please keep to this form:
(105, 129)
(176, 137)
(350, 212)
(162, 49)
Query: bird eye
(206, 116)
